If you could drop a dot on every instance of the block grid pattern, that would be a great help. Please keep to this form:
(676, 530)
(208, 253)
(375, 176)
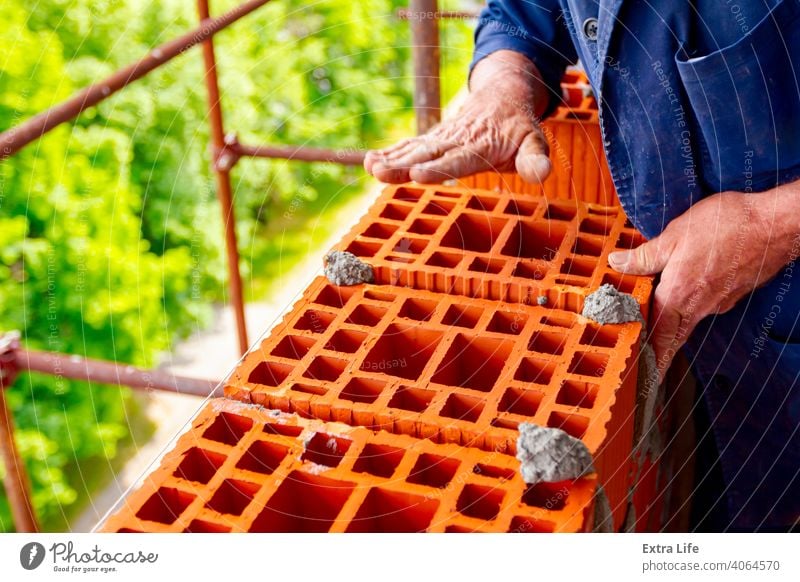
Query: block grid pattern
(450, 369)
(242, 468)
(504, 247)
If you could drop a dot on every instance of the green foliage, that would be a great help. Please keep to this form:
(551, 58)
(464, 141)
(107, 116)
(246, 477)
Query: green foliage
(110, 234)
(455, 38)
(76, 276)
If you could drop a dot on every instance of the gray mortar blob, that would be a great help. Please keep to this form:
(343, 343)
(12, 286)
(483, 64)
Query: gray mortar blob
(344, 268)
(550, 455)
(541, 300)
(603, 518)
(607, 305)
(647, 392)
(629, 525)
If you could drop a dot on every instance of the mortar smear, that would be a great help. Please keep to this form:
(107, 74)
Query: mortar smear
(646, 391)
(603, 518)
(629, 525)
(344, 268)
(550, 455)
(607, 305)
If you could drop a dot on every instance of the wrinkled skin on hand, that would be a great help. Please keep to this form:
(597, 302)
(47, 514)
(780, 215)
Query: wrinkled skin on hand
(497, 128)
(710, 257)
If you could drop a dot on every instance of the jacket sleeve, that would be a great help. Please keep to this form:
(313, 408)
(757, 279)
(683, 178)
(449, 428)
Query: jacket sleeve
(537, 29)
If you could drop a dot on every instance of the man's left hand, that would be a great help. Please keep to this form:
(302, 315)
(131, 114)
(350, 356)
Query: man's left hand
(710, 257)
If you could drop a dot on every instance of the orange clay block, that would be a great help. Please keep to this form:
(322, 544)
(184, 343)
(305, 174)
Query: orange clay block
(418, 383)
(242, 468)
(649, 495)
(499, 246)
(580, 171)
(651, 475)
(450, 369)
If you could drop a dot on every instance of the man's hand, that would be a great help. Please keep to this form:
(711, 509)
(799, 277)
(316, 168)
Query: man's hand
(497, 128)
(714, 254)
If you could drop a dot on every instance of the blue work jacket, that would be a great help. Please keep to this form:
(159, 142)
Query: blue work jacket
(697, 98)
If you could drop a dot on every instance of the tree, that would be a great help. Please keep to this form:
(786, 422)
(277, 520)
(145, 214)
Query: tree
(110, 234)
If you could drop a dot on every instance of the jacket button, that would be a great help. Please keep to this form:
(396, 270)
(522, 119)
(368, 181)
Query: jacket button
(590, 29)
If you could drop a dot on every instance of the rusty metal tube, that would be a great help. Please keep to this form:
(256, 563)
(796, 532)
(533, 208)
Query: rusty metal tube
(224, 190)
(15, 138)
(425, 49)
(90, 370)
(14, 359)
(17, 486)
(301, 154)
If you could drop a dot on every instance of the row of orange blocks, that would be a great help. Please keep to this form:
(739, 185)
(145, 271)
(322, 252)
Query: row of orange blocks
(243, 468)
(395, 406)
(449, 360)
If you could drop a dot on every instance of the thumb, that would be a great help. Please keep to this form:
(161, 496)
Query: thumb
(647, 259)
(532, 162)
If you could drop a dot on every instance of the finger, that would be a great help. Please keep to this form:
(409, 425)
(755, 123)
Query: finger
(390, 175)
(392, 153)
(384, 152)
(374, 156)
(668, 331)
(454, 164)
(646, 259)
(401, 152)
(403, 147)
(424, 150)
(532, 161)
(397, 170)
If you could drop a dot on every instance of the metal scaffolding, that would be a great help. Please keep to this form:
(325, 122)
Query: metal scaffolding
(225, 153)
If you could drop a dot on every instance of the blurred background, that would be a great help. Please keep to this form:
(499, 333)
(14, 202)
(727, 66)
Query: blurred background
(111, 238)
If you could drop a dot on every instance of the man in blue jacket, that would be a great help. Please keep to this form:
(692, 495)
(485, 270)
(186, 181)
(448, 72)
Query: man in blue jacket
(700, 113)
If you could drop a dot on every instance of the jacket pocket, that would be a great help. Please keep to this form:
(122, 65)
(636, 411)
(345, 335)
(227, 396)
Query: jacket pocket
(746, 103)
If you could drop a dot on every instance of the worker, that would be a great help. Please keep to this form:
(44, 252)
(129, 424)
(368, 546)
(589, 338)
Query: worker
(699, 106)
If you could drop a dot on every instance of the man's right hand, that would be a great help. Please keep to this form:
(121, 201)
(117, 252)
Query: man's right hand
(497, 128)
